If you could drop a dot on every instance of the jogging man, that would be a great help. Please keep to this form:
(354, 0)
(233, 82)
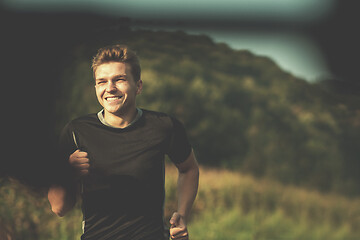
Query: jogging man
(115, 159)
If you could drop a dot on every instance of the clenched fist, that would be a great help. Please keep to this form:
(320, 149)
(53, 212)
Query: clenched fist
(178, 230)
(80, 162)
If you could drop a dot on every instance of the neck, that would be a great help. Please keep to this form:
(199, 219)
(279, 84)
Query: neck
(120, 120)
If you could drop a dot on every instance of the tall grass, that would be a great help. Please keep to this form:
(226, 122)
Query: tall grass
(229, 205)
(25, 215)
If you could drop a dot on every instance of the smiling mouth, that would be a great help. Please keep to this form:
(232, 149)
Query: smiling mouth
(113, 98)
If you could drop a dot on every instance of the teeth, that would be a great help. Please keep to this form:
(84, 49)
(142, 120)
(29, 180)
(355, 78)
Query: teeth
(112, 98)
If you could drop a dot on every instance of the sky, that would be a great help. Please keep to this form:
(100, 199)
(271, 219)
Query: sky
(293, 52)
(303, 10)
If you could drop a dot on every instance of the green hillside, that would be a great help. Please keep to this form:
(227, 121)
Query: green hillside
(241, 111)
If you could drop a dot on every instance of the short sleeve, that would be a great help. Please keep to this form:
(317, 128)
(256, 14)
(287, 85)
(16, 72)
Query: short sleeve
(66, 147)
(179, 146)
(66, 144)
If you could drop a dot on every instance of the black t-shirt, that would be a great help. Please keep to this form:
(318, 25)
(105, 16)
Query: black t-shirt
(123, 194)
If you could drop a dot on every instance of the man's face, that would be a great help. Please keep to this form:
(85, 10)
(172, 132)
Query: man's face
(115, 87)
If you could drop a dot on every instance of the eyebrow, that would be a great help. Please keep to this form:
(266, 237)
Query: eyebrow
(120, 75)
(116, 76)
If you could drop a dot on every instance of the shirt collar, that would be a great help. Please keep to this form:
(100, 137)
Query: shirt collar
(100, 115)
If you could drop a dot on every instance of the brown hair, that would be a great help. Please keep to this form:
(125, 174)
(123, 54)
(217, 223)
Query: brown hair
(118, 53)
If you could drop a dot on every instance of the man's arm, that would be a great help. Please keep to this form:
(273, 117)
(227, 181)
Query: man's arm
(188, 182)
(62, 197)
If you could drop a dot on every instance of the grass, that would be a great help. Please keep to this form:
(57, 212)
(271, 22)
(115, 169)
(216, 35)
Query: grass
(229, 205)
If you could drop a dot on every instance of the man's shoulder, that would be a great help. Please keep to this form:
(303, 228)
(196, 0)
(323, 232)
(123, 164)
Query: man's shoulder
(85, 119)
(160, 118)
(154, 114)
(157, 116)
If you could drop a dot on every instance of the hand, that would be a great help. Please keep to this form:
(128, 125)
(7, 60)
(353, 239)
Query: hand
(178, 229)
(80, 162)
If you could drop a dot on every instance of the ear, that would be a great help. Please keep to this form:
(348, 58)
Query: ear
(139, 85)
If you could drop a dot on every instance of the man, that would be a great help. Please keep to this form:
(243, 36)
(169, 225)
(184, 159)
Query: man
(116, 159)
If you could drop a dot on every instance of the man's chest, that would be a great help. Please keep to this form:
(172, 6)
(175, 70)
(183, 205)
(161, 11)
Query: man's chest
(134, 153)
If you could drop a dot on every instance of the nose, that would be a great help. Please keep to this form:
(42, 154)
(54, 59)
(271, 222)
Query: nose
(110, 87)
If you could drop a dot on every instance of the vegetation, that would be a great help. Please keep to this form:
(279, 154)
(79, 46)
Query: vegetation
(237, 206)
(230, 205)
(292, 146)
(241, 111)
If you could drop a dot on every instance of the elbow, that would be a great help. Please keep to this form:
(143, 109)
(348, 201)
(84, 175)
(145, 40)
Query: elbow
(192, 172)
(195, 170)
(197, 174)
(59, 212)
(62, 210)
(60, 201)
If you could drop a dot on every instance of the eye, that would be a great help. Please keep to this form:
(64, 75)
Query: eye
(101, 82)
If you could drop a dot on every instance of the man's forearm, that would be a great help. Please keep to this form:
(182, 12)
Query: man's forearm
(62, 199)
(187, 189)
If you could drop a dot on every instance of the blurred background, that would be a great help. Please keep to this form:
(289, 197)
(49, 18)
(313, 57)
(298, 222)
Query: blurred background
(268, 92)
